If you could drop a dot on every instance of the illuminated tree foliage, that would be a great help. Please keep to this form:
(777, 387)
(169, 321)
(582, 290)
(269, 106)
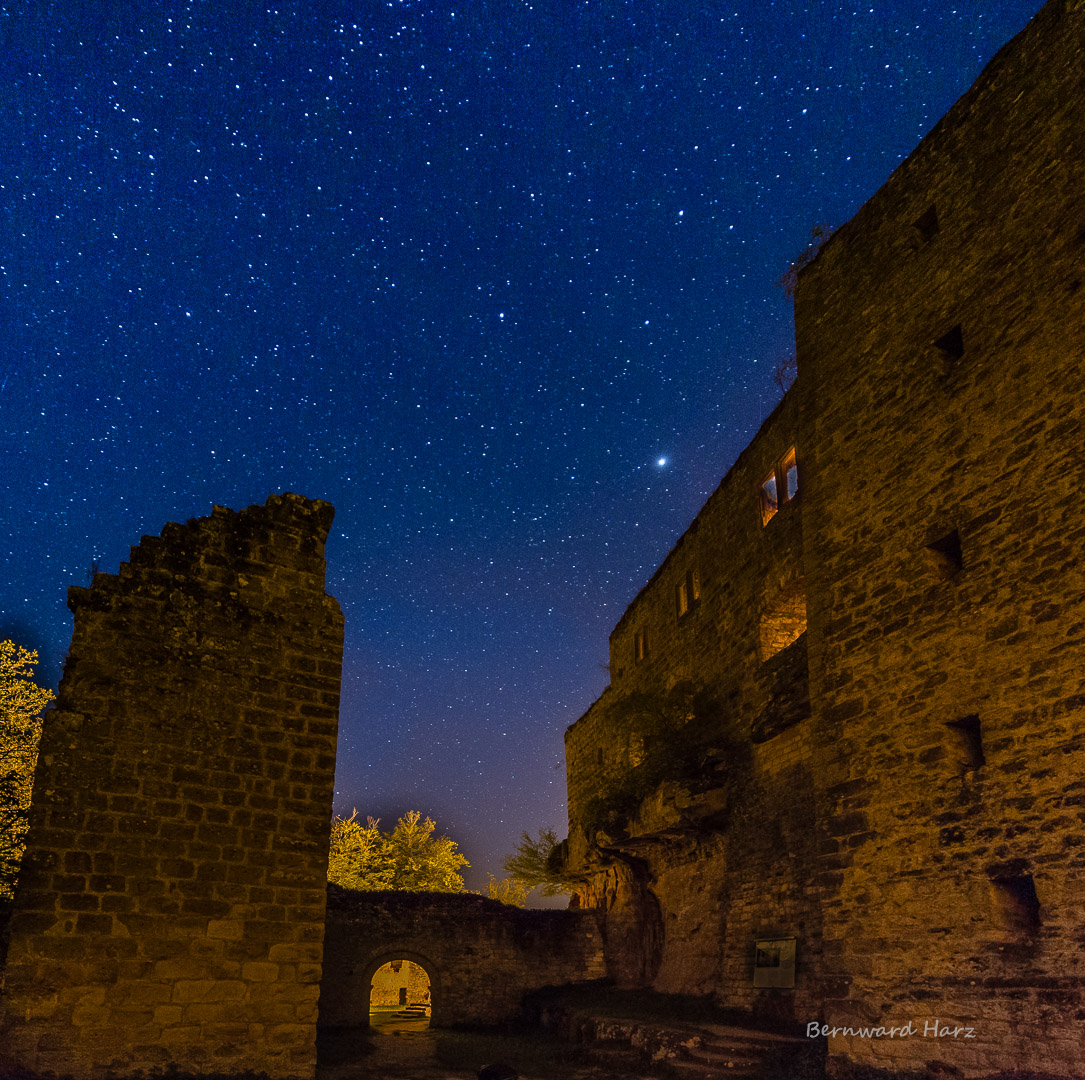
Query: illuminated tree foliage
(408, 859)
(540, 864)
(507, 891)
(21, 703)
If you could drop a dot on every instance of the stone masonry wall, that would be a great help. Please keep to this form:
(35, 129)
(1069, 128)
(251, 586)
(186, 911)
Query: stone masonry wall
(715, 860)
(944, 530)
(717, 642)
(171, 906)
(481, 956)
(914, 819)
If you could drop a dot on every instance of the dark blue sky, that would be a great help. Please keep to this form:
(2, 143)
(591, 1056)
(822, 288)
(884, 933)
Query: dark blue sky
(470, 271)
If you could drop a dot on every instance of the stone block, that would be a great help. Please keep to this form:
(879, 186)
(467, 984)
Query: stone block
(264, 972)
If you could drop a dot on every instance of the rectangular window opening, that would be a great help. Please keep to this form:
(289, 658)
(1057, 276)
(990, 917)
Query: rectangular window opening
(783, 620)
(951, 344)
(1016, 902)
(687, 594)
(774, 962)
(927, 224)
(969, 742)
(780, 486)
(946, 554)
(640, 646)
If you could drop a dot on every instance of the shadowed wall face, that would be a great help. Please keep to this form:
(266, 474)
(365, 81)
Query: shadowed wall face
(172, 901)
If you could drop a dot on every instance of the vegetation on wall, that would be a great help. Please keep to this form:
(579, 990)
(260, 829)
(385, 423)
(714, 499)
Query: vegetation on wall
(408, 859)
(657, 737)
(789, 280)
(21, 703)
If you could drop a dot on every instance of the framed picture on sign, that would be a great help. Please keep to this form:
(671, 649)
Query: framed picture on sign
(774, 962)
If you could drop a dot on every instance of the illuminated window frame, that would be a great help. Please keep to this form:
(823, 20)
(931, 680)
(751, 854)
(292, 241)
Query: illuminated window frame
(780, 486)
(640, 646)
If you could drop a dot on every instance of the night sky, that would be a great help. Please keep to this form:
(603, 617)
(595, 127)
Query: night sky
(497, 279)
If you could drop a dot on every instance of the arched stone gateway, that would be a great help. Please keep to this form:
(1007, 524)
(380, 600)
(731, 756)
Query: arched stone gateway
(481, 956)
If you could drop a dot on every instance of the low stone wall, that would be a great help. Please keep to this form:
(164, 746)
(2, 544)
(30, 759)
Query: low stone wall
(481, 957)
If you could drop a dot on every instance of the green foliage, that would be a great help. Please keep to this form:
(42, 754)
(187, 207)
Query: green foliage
(21, 703)
(540, 864)
(507, 891)
(356, 859)
(408, 859)
(667, 736)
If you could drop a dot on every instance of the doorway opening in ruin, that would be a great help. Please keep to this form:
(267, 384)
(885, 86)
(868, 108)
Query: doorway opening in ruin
(400, 997)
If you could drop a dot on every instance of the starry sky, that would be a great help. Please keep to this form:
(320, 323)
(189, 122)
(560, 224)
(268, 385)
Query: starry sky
(496, 278)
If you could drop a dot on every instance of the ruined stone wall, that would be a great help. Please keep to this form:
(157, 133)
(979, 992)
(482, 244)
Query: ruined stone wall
(717, 641)
(920, 832)
(941, 330)
(717, 858)
(481, 956)
(171, 905)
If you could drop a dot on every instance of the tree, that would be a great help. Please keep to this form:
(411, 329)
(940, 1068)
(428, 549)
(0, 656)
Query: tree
(507, 891)
(539, 864)
(785, 372)
(356, 859)
(408, 859)
(21, 703)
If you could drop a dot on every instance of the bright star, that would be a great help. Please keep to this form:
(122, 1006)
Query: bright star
(661, 462)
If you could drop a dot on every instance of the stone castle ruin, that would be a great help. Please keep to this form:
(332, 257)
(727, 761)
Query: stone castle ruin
(837, 777)
(173, 910)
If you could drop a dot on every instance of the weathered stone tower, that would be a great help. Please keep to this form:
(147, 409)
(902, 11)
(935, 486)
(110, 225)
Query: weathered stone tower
(878, 820)
(171, 906)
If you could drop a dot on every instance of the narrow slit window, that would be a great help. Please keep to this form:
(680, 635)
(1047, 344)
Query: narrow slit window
(791, 475)
(769, 502)
(640, 646)
(927, 224)
(968, 738)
